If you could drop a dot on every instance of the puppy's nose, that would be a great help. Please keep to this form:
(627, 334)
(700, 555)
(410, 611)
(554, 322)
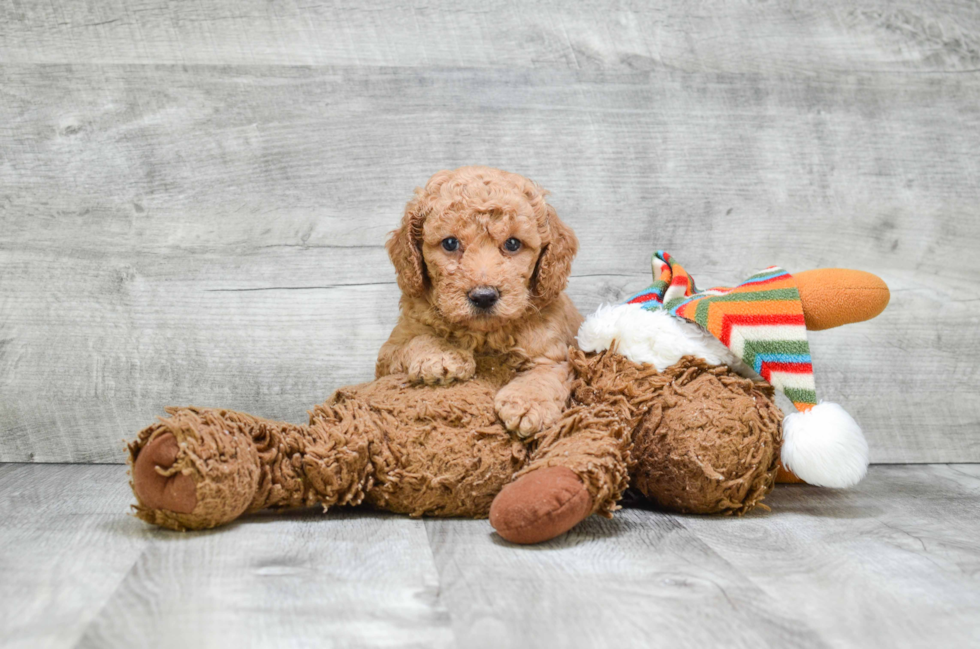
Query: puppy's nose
(483, 297)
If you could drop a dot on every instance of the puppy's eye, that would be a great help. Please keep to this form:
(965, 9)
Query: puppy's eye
(450, 244)
(512, 245)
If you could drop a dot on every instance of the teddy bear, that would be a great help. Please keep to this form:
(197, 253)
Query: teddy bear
(700, 433)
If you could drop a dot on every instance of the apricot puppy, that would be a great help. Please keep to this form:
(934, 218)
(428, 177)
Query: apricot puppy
(482, 262)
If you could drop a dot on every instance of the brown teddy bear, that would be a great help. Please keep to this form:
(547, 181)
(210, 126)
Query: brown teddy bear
(667, 396)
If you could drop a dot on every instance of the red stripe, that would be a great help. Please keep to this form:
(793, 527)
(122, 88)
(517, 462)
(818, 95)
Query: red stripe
(678, 280)
(646, 297)
(735, 319)
(683, 309)
(789, 368)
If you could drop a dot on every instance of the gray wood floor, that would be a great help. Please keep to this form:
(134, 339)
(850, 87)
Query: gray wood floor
(892, 563)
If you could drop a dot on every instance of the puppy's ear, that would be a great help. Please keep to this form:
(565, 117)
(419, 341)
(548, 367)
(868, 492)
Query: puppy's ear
(555, 263)
(404, 247)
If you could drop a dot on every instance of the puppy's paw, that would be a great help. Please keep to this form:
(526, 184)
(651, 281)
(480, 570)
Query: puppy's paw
(524, 413)
(442, 368)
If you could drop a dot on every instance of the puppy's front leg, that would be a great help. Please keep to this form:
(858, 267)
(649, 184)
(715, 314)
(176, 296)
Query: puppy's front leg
(535, 398)
(426, 359)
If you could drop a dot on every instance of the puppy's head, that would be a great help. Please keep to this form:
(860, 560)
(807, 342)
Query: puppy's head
(482, 246)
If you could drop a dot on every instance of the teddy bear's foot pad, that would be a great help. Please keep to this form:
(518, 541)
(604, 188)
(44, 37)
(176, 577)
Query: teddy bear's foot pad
(540, 505)
(177, 492)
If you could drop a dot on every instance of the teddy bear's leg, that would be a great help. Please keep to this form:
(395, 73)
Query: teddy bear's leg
(581, 465)
(434, 450)
(194, 469)
(540, 505)
(200, 468)
(710, 443)
(578, 467)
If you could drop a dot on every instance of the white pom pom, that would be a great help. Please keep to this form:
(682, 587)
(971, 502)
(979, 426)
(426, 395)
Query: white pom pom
(824, 446)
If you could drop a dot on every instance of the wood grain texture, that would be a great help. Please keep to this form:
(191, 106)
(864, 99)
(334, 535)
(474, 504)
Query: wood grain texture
(892, 562)
(363, 582)
(897, 556)
(67, 545)
(639, 579)
(78, 572)
(193, 199)
(752, 37)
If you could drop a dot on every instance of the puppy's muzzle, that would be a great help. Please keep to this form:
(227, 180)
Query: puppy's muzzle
(483, 297)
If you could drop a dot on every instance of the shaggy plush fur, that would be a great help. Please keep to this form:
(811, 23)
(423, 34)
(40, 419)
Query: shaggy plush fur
(710, 443)
(441, 451)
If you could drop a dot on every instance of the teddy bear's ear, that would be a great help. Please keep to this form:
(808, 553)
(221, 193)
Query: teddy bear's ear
(555, 263)
(404, 247)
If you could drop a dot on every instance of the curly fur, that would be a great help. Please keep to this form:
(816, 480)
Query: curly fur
(440, 331)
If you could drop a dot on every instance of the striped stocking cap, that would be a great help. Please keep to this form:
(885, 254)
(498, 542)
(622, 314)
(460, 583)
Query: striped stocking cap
(760, 321)
(757, 325)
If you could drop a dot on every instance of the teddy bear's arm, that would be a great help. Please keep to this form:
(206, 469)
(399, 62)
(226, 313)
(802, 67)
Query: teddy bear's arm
(580, 464)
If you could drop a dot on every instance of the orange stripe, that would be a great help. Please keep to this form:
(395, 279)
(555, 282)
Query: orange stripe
(687, 310)
(718, 310)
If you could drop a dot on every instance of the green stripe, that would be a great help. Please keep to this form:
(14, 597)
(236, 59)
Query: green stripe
(764, 273)
(797, 395)
(675, 302)
(701, 312)
(753, 347)
(774, 295)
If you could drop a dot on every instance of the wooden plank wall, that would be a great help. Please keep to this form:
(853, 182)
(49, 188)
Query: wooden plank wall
(193, 198)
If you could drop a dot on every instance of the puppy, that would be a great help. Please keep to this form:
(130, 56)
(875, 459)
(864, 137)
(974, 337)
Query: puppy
(482, 261)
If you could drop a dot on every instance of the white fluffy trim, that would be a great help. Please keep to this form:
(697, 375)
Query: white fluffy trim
(825, 447)
(654, 337)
